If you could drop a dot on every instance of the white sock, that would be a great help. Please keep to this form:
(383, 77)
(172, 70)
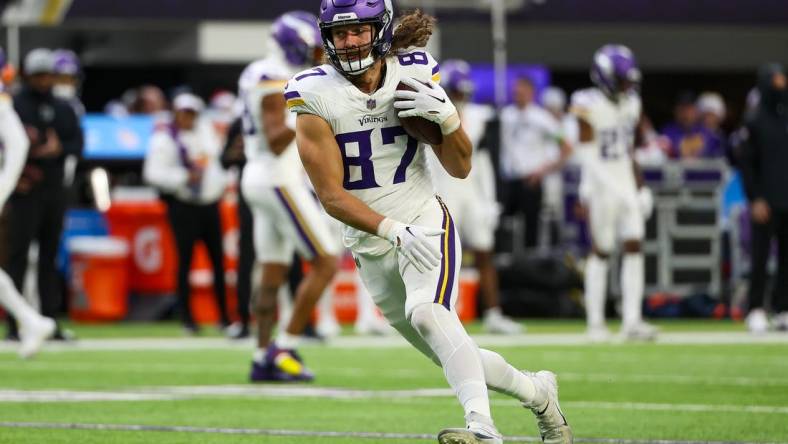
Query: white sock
(632, 283)
(504, 378)
(458, 354)
(259, 355)
(595, 290)
(287, 341)
(12, 301)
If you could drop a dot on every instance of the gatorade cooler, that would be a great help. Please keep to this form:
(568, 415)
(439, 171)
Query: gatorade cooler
(469, 288)
(99, 278)
(203, 303)
(154, 260)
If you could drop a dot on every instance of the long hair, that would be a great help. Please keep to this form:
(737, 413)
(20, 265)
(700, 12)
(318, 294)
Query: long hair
(414, 29)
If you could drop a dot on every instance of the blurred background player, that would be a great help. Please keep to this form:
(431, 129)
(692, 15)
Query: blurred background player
(472, 200)
(183, 163)
(34, 329)
(286, 216)
(612, 188)
(401, 234)
(527, 134)
(37, 205)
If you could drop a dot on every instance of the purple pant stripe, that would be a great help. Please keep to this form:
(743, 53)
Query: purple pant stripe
(452, 262)
(299, 228)
(443, 257)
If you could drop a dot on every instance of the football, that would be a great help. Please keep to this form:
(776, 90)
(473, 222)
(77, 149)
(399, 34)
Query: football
(420, 128)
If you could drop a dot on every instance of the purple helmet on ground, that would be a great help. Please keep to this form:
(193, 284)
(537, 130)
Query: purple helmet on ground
(66, 62)
(298, 36)
(378, 13)
(614, 69)
(456, 77)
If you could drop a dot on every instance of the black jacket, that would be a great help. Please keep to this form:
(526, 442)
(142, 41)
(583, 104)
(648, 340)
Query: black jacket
(764, 153)
(44, 111)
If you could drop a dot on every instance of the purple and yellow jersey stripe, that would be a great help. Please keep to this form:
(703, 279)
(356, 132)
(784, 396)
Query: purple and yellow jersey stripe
(448, 263)
(294, 99)
(302, 227)
(436, 74)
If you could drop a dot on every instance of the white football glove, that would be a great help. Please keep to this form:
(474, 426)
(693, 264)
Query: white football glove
(413, 242)
(428, 101)
(645, 202)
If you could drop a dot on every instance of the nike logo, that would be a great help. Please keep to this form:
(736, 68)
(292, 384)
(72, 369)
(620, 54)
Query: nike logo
(408, 230)
(438, 99)
(545, 408)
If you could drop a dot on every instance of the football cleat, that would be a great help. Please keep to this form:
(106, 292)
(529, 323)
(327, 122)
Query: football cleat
(781, 321)
(479, 430)
(757, 322)
(280, 365)
(33, 334)
(599, 333)
(495, 322)
(640, 331)
(551, 422)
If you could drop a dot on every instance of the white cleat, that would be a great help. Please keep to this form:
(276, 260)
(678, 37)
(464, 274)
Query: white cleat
(373, 326)
(551, 422)
(598, 334)
(757, 321)
(479, 431)
(328, 328)
(33, 334)
(781, 321)
(497, 323)
(640, 331)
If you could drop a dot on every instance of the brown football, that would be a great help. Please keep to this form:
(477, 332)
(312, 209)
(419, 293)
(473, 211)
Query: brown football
(420, 128)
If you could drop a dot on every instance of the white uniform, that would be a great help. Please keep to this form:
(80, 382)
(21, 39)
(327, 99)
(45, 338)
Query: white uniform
(608, 181)
(526, 136)
(388, 171)
(471, 200)
(287, 217)
(13, 147)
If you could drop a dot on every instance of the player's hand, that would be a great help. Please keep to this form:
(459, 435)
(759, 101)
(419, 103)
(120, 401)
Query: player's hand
(429, 101)
(645, 202)
(760, 211)
(413, 242)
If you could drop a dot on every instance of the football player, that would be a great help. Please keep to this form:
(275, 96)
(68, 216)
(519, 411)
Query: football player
(612, 187)
(472, 201)
(34, 329)
(370, 174)
(286, 216)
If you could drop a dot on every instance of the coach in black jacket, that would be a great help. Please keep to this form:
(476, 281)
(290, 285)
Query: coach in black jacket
(764, 169)
(37, 205)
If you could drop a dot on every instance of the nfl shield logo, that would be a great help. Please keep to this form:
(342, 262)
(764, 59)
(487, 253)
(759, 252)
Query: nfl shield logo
(371, 104)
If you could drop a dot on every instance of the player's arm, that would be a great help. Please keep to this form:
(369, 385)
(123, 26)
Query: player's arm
(273, 117)
(16, 144)
(161, 168)
(455, 153)
(323, 164)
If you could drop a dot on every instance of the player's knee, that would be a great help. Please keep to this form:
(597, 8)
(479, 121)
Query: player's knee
(632, 246)
(326, 265)
(422, 319)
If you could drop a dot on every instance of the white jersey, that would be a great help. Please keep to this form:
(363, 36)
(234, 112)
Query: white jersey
(259, 79)
(383, 166)
(13, 147)
(609, 162)
(526, 137)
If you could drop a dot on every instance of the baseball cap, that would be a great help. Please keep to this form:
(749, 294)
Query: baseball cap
(188, 101)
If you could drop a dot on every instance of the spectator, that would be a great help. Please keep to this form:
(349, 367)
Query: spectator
(183, 162)
(688, 139)
(712, 114)
(149, 99)
(37, 204)
(763, 166)
(527, 131)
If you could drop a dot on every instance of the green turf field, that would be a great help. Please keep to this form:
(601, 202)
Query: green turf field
(643, 392)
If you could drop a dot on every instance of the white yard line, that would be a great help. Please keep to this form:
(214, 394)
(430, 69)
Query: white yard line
(318, 434)
(399, 396)
(353, 342)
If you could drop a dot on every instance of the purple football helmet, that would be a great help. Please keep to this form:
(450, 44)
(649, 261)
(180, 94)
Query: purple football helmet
(66, 62)
(614, 70)
(378, 13)
(296, 32)
(456, 77)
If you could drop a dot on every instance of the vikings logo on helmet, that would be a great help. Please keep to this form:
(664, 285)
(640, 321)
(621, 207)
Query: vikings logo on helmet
(298, 36)
(614, 69)
(66, 62)
(378, 13)
(456, 77)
